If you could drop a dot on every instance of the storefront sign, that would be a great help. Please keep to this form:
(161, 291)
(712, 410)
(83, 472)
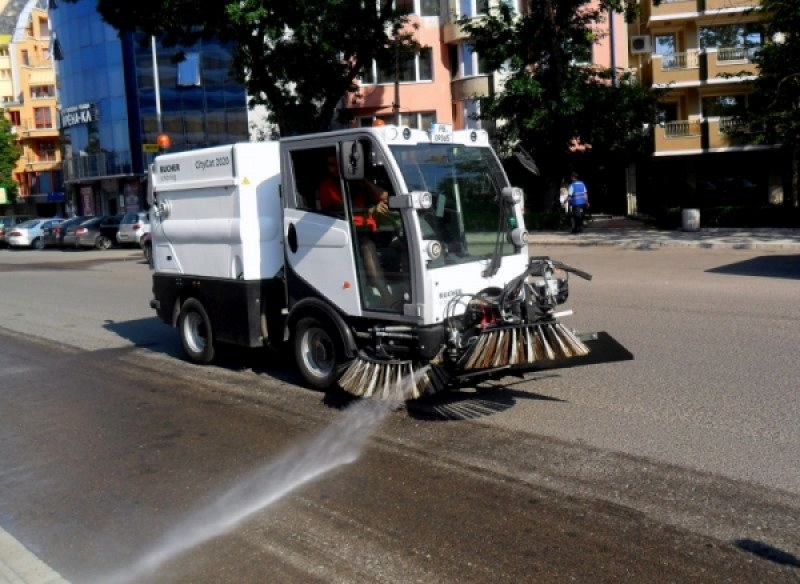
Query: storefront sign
(55, 197)
(78, 114)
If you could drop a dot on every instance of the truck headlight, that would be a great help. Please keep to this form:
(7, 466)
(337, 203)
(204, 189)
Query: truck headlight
(433, 249)
(519, 237)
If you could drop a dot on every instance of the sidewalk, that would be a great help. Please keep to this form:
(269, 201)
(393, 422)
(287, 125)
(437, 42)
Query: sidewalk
(633, 234)
(60, 256)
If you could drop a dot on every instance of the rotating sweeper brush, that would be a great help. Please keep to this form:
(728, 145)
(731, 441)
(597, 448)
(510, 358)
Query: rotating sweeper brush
(514, 327)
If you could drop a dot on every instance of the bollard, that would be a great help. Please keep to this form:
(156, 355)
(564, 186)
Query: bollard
(690, 219)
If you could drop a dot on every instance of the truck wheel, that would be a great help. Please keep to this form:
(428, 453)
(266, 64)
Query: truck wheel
(194, 328)
(316, 353)
(103, 242)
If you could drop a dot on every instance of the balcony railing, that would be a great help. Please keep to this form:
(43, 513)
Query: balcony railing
(711, 134)
(737, 54)
(29, 127)
(682, 129)
(687, 60)
(97, 165)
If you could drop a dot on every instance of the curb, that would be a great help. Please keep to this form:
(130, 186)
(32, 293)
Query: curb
(19, 566)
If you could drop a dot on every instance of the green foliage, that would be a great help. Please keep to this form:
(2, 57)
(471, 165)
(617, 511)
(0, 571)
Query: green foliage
(773, 109)
(9, 155)
(297, 58)
(549, 102)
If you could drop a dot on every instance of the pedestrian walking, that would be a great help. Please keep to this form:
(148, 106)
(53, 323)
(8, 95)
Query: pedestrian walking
(578, 202)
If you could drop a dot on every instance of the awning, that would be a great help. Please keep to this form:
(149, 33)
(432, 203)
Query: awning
(42, 77)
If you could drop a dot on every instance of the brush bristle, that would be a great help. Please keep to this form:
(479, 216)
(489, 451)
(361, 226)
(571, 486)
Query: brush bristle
(392, 380)
(523, 345)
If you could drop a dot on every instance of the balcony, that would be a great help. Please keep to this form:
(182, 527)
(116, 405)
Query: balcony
(731, 61)
(702, 135)
(101, 165)
(671, 9)
(699, 66)
(36, 129)
(468, 87)
(683, 68)
(681, 137)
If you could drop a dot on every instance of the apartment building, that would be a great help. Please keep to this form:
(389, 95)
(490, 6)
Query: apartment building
(443, 82)
(28, 93)
(700, 52)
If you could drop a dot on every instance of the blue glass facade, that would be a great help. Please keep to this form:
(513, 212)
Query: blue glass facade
(108, 115)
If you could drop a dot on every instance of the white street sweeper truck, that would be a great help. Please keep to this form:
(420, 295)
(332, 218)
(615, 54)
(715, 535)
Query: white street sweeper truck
(393, 261)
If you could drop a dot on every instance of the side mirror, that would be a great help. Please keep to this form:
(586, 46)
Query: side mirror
(351, 160)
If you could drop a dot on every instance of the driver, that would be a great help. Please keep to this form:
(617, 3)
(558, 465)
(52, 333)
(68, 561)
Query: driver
(368, 201)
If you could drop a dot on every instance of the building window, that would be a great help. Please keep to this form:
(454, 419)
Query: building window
(415, 120)
(722, 105)
(46, 151)
(472, 63)
(15, 118)
(430, 8)
(418, 68)
(730, 36)
(43, 91)
(404, 6)
(421, 7)
(473, 7)
(42, 117)
(189, 71)
(472, 110)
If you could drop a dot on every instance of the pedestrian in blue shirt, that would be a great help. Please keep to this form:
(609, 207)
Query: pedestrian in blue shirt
(578, 202)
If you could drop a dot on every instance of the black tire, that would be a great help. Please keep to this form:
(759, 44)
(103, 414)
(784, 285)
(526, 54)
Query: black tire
(317, 353)
(148, 254)
(197, 336)
(38, 243)
(103, 242)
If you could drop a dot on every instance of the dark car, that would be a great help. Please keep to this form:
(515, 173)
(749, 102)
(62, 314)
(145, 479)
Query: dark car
(54, 236)
(98, 232)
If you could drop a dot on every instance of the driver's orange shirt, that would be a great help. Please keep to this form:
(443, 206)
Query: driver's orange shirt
(330, 195)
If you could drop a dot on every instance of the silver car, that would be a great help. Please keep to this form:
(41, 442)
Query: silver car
(29, 234)
(133, 227)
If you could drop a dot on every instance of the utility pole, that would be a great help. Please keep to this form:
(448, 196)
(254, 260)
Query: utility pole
(396, 103)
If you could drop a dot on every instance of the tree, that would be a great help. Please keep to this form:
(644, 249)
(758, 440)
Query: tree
(9, 156)
(549, 104)
(773, 109)
(297, 58)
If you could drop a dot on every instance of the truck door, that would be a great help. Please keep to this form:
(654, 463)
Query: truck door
(343, 241)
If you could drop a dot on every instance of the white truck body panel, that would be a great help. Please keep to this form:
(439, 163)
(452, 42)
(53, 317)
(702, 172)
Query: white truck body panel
(324, 257)
(222, 222)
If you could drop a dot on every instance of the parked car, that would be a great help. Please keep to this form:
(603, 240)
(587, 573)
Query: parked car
(29, 233)
(133, 227)
(53, 236)
(99, 232)
(7, 222)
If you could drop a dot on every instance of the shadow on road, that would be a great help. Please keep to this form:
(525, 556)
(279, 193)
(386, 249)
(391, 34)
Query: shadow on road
(768, 552)
(474, 399)
(784, 266)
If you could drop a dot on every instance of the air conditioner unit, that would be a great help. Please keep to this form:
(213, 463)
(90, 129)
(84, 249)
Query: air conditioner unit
(641, 45)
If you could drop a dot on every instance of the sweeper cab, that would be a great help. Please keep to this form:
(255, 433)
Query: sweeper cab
(393, 261)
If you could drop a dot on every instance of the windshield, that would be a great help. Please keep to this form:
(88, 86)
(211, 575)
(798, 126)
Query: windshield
(464, 182)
